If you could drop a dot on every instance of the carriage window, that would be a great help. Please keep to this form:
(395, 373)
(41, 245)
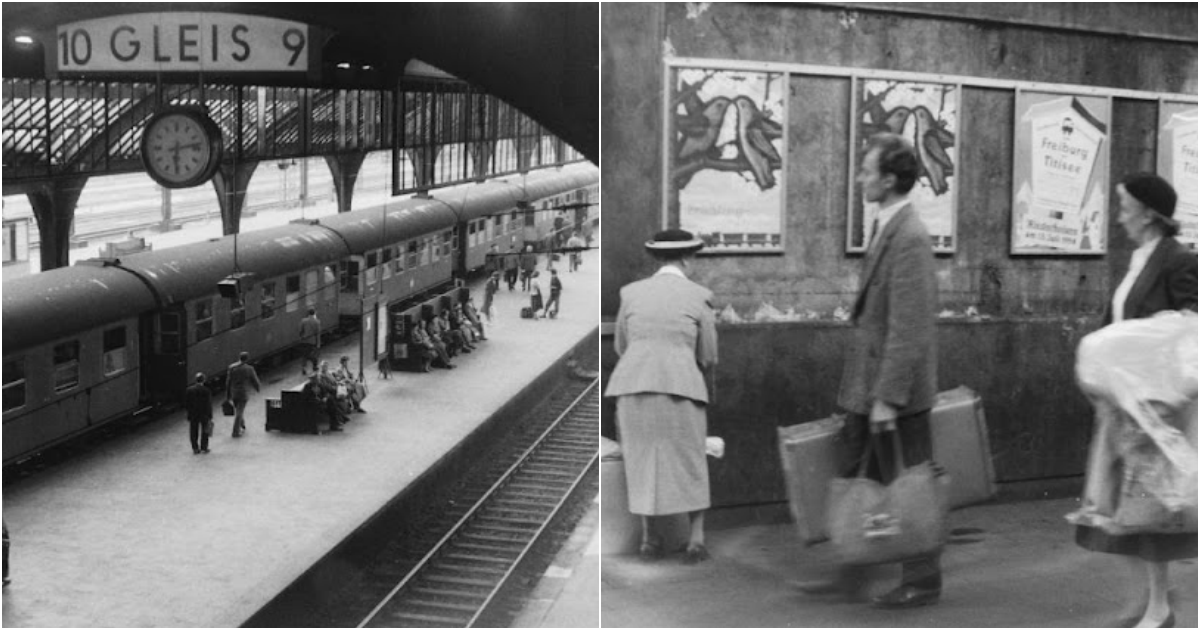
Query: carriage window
(237, 312)
(293, 293)
(14, 383)
(312, 284)
(268, 300)
(398, 261)
(372, 261)
(449, 241)
(168, 333)
(387, 258)
(115, 356)
(331, 282)
(204, 319)
(430, 253)
(414, 255)
(530, 215)
(349, 276)
(66, 366)
(472, 234)
(512, 222)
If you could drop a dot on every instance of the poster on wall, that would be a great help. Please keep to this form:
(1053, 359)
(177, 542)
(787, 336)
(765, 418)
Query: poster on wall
(926, 114)
(1177, 162)
(1060, 174)
(726, 154)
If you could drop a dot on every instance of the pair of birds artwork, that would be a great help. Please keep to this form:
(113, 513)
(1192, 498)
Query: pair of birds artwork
(700, 127)
(929, 137)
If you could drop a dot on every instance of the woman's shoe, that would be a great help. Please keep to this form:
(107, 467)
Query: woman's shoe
(651, 549)
(695, 554)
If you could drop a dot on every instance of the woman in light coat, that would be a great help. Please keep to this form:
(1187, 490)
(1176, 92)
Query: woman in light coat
(667, 340)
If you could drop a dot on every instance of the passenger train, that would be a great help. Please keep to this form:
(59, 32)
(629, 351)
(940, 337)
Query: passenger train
(109, 338)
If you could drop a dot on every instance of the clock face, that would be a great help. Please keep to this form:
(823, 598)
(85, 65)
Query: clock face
(178, 149)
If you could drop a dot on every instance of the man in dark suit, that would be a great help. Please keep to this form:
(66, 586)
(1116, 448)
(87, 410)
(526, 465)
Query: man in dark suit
(198, 402)
(890, 374)
(237, 389)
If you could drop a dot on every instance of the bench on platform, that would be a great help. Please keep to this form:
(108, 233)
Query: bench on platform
(403, 354)
(293, 413)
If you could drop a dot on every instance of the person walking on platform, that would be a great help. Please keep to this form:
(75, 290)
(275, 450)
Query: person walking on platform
(889, 378)
(310, 339)
(1161, 277)
(535, 294)
(666, 338)
(528, 266)
(237, 390)
(575, 244)
(492, 259)
(512, 263)
(198, 402)
(472, 316)
(555, 292)
(489, 293)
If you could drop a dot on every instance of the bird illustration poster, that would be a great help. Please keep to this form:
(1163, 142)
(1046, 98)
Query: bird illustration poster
(926, 114)
(1060, 174)
(1177, 162)
(726, 159)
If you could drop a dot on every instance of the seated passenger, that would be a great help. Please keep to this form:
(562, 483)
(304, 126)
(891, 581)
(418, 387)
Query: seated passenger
(316, 394)
(472, 316)
(340, 395)
(454, 339)
(420, 338)
(354, 387)
(459, 322)
(433, 330)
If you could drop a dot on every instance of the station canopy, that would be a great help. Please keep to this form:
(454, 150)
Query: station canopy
(542, 58)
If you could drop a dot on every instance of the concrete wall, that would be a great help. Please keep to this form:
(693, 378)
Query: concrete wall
(1022, 359)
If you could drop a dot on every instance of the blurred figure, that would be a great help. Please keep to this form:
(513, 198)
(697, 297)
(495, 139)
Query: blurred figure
(575, 243)
(555, 293)
(489, 293)
(237, 389)
(535, 293)
(512, 263)
(1161, 277)
(344, 375)
(666, 337)
(528, 266)
(7, 580)
(198, 402)
(310, 340)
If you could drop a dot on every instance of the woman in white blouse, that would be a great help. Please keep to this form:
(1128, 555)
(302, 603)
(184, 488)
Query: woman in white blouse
(1161, 277)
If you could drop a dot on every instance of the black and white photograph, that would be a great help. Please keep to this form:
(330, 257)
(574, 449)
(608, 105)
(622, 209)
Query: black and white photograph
(300, 314)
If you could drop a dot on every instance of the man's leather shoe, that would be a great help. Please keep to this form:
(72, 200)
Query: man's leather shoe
(906, 596)
(852, 591)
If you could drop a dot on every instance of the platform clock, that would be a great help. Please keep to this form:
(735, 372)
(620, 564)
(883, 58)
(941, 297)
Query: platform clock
(181, 147)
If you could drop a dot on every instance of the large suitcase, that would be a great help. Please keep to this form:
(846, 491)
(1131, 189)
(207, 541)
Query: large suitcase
(960, 445)
(620, 531)
(813, 455)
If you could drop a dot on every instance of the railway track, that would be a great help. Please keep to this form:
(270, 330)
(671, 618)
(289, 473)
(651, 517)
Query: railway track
(498, 515)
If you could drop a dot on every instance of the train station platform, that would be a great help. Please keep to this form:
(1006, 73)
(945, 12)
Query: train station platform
(1007, 565)
(140, 532)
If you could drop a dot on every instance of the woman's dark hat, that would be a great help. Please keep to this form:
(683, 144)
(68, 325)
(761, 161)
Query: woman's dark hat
(1155, 193)
(675, 240)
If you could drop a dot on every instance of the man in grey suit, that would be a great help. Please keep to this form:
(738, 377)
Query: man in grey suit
(237, 389)
(890, 374)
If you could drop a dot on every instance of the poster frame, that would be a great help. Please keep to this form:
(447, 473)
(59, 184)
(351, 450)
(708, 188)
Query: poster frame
(1104, 174)
(854, 202)
(1160, 159)
(671, 219)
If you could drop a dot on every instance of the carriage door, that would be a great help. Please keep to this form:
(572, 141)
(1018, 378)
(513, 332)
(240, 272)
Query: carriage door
(164, 370)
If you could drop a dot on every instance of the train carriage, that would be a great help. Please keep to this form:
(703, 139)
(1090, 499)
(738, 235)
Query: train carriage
(74, 366)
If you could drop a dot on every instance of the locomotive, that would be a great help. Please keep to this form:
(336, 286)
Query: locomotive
(109, 338)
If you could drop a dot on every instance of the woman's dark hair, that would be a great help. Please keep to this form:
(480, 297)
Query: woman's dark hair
(896, 157)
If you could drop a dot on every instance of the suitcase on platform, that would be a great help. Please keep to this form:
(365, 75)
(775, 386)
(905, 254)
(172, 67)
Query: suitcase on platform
(812, 455)
(960, 445)
(526, 312)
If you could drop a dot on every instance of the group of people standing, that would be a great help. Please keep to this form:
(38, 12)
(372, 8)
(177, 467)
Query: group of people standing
(666, 338)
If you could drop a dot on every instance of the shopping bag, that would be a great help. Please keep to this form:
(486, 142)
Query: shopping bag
(208, 428)
(870, 523)
(227, 407)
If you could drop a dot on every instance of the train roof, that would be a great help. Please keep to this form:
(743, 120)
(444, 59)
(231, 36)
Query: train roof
(365, 229)
(184, 272)
(500, 194)
(44, 307)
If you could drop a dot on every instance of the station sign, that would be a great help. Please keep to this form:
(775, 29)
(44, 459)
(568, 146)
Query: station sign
(183, 42)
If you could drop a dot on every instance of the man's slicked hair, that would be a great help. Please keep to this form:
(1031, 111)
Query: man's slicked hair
(896, 157)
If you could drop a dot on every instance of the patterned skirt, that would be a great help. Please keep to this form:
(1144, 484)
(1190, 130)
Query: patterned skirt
(662, 442)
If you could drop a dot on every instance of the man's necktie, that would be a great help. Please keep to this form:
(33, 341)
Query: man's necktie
(874, 231)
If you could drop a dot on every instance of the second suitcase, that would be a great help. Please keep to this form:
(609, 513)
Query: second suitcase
(812, 455)
(960, 445)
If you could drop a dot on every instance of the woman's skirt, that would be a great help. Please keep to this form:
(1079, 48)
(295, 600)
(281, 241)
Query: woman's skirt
(662, 442)
(1150, 547)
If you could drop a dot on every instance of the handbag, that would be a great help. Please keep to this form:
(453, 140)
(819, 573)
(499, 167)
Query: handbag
(227, 407)
(341, 390)
(208, 428)
(870, 523)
